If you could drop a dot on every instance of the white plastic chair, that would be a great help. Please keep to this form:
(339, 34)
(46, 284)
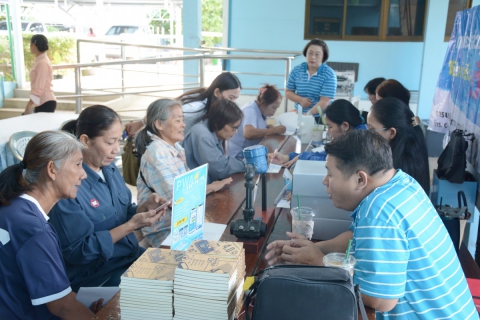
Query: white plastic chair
(18, 143)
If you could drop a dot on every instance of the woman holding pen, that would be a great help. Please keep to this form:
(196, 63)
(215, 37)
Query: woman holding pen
(254, 125)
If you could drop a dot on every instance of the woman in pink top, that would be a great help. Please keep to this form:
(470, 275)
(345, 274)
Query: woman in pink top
(42, 98)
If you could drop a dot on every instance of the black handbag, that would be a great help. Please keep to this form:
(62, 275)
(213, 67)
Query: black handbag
(304, 292)
(130, 163)
(453, 160)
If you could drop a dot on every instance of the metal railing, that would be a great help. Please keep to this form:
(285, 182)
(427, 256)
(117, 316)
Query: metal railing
(200, 55)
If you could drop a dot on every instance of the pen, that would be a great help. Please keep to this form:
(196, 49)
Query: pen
(271, 158)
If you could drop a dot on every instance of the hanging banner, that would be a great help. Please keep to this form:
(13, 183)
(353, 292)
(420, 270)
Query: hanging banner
(456, 101)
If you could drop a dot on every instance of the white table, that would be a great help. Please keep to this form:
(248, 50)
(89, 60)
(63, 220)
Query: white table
(36, 122)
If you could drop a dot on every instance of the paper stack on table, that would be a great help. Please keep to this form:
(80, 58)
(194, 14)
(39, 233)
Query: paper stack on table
(146, 290)
(209, 283)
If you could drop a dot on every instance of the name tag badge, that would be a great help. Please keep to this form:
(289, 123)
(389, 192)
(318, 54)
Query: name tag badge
(94, 203)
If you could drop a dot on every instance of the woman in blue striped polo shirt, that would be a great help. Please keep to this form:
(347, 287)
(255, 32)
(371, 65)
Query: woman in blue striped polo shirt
(312, 84)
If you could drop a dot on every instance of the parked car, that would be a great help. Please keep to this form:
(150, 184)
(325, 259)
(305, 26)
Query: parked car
(27, 26)
(129, 34)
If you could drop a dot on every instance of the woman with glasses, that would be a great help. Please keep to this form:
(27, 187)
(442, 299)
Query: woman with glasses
(196, 103)
(254, 125)
(395, 122)
(205, 142)
(312, 84)
(340, 117)
(163, 158)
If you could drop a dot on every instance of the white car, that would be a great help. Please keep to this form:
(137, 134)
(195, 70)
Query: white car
(129, 34)
(27, 26)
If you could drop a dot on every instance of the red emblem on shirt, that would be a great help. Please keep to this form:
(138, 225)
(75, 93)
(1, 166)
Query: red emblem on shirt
(94, 203)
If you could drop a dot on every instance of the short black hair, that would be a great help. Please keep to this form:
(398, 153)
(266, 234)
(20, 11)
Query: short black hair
(317, 42)
(360, 150)
(221, 113)
(371, 86)
(342, 110)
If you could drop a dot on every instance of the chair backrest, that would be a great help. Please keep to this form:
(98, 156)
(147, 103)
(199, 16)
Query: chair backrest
(18, 143)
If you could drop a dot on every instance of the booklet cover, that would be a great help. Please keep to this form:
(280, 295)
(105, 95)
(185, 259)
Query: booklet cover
(188, 207)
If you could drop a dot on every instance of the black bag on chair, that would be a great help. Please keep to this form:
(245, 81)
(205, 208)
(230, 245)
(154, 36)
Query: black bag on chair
(286, 292)
(130, 163)
(453, 160)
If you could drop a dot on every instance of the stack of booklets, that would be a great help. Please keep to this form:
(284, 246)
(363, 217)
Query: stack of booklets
(206, 281)
(147, 286)
(208, 284)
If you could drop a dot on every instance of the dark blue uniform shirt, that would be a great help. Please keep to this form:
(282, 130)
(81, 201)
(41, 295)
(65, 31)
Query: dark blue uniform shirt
(32, 272)
(83, 225)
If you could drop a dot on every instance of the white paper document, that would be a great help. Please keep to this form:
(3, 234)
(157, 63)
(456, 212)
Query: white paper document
(319, 149)
(289, 120)
(88, 295)
(211, 231)
(274, 168)
(288, 133)
(283, 204)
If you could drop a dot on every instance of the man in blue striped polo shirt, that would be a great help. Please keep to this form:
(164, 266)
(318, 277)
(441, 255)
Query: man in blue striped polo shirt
(406, 266)
(312, 83)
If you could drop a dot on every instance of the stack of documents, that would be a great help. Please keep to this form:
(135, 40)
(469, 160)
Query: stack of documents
(222, 249)
(205, 289)
(146, 287)
(210, 280)
(204, 282)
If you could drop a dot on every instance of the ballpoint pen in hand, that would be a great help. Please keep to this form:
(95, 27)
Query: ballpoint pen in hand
(271, 158)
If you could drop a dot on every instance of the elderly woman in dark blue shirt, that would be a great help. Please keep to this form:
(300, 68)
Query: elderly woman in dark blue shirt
(96, 228)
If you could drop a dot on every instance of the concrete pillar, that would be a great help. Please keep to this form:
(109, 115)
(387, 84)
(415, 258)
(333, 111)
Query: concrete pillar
(18, 44)
(192, 35)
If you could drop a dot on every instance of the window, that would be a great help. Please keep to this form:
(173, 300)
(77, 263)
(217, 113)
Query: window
(391, 20)
(453, 7)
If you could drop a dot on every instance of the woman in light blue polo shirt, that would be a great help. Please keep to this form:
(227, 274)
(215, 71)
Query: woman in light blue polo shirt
(312, 83)
(254, 125)
(96, 228)
(33, 279)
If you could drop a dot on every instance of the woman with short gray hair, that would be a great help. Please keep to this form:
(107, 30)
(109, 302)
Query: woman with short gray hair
(31, 261)
(163, 158)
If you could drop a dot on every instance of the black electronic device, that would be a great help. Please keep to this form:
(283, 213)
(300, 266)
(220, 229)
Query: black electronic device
(248, 227)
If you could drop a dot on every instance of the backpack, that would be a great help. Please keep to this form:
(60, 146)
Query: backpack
(304, 292)
(453, 160)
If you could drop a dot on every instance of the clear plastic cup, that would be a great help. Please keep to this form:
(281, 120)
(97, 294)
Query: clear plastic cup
(317, 133)
(337, 259)
(302, 221)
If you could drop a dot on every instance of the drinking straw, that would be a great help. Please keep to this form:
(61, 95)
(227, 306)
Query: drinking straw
(298, 206)
(348, 251)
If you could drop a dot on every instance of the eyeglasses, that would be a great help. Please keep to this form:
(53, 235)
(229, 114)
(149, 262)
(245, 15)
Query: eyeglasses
(233, 128)
(377, 130)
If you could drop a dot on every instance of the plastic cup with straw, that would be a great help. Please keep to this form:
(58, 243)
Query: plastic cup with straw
(345, 262)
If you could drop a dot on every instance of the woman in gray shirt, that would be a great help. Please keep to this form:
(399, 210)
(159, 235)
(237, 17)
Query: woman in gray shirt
(205, 142)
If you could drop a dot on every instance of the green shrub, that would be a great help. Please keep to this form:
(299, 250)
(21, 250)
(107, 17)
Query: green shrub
(62, 49)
